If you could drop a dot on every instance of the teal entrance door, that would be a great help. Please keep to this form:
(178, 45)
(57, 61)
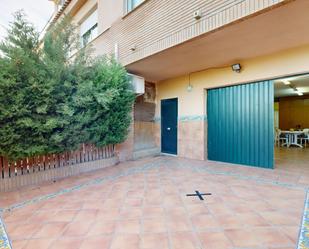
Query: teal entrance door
(241, 124)
(169, 122)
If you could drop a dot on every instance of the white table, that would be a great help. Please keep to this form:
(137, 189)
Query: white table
(292, 138)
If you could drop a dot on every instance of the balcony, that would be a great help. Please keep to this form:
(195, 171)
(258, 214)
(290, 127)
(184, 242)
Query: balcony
(158, 25)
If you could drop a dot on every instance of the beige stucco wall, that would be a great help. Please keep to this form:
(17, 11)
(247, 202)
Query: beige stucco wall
(84, 11)
(109, 12)
(289, 62)
(192, 107)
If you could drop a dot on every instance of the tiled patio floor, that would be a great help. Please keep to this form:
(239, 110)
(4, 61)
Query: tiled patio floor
(143, 205)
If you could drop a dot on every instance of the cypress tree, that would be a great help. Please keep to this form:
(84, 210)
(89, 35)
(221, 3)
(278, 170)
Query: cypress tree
(55, 96)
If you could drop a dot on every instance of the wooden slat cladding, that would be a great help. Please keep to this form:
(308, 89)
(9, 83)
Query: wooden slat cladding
(160, 24)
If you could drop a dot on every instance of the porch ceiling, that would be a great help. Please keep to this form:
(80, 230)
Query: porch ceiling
(275, 30)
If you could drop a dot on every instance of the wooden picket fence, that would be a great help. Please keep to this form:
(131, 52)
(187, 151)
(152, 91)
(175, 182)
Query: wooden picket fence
(86, 153)
(37, 169)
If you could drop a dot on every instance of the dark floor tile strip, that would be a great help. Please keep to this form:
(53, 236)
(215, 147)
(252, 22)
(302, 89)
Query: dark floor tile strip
(100, 180)
(5, 242)
(303, 242)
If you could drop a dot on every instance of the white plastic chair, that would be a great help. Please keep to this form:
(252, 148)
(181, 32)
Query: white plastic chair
(280, 137)
(306, 137)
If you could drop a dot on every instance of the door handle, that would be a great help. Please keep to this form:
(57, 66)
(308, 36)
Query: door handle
(168, 128)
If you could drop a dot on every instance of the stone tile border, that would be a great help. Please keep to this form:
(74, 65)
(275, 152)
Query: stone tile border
(5, 242)
(186, 118)
(303, 242)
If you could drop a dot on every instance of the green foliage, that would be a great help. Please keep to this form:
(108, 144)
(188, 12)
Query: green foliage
(52, 99)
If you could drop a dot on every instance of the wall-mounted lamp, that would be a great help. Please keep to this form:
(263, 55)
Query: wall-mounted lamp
(299, 93)
(189, 87)
(236, 68)
(133, 48)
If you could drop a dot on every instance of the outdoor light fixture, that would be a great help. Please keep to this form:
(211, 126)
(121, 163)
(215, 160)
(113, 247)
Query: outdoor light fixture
(236, 68)
(133, 48)
(286, 82)
(300, 93)
(189, 87)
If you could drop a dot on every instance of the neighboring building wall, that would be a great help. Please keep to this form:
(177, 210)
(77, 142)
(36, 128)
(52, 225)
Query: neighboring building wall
(84, 11)
(192, 107)
(294, 111)
(109, 12)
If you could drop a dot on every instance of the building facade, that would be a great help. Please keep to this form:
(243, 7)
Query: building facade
(208, 66)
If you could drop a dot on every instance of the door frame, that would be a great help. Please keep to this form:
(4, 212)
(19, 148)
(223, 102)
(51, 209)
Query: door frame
(161, 124)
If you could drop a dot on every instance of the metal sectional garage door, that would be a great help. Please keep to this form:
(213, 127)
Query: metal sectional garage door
(240, 124)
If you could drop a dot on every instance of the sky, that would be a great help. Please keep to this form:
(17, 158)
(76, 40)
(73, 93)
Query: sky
(38, 12)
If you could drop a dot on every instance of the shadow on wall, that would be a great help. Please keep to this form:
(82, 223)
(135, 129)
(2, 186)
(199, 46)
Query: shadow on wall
(144, 113)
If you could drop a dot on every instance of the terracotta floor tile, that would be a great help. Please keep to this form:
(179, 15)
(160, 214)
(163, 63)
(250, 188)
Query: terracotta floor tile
(291, 232)
(202, 222)
(113, 203)
(128, 226)
(133, 202)
(215, 240)
(229, 221)
(66, 243)
(131, 213)
(178, 224)
(51, 230)
(252, 219)
(153, 212)
(219, 209)
(243, 237)
(42, 216)
(77, 205)
(25, 231)
(149, 209)
(77, 228)
(127, 241)
(154, 225)
(183, 240)
(97, 242)
(280, 218)
(154, 241)
(38, 243)
(102, 227)
(19, 244)
(272, 236)
(108, 214)
(86, 214)
(64, 215)
(175, 211)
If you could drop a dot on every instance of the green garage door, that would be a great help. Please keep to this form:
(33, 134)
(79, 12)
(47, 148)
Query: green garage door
(240, 124)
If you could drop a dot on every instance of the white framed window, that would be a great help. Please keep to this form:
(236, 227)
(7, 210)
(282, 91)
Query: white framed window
(132, 4)
(89, 28)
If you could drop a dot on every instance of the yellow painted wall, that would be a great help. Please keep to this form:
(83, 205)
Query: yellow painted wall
(288, 62)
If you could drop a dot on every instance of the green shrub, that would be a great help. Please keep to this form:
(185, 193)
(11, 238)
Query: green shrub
(52, 100)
